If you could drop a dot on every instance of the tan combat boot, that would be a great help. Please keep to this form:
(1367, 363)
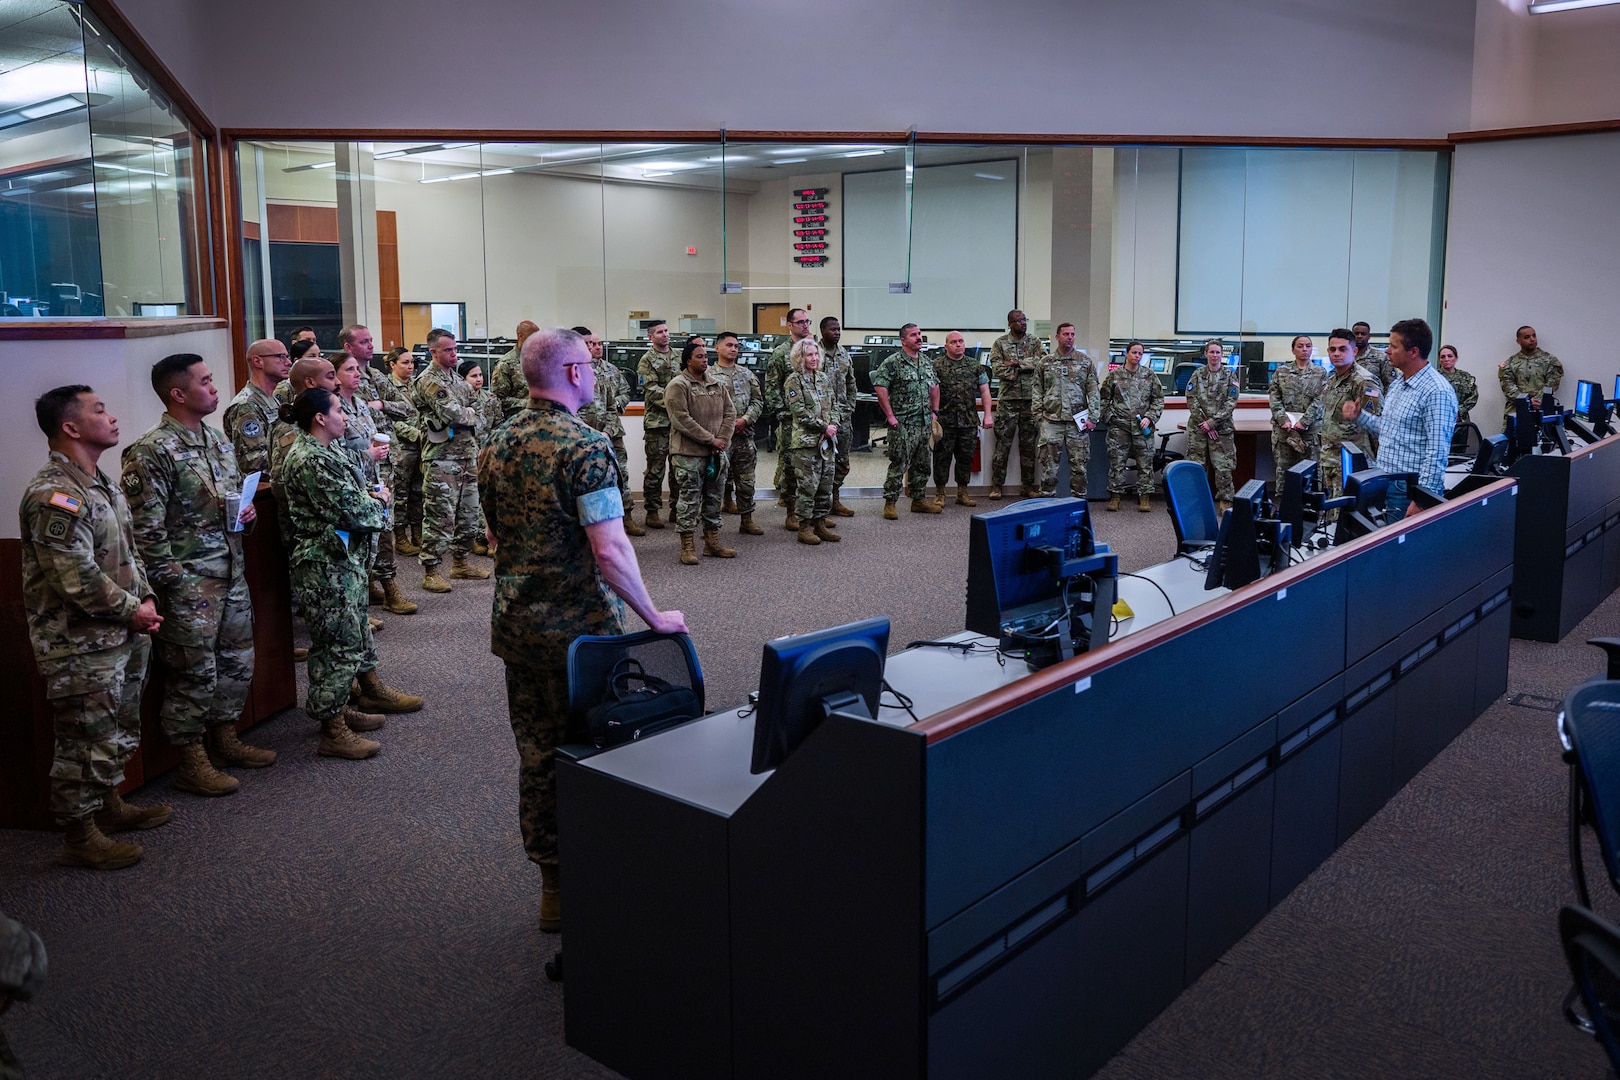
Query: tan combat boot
(925, 506)
(462, 570)
(375, 623)
(838, 507)
(198, 775)
(939, 494)
(377, 696)
(807, 533)
(995, 491)
(1113, 503)
(889, 511)
(748, 527)
(481, 547)
(394, 600)
(792, 522)
(712, 545)
(550, 898)
(652, 518)
(116, 815)
(84, 845)
(338, 741)
(357, 720)
(1221, 507)
(963, 498)
(1143, 505)
(729, 506)
(434, 581)
(300, 654)
(233, 751)
(631, 528)
(1027, 492)
(403, 544)
(688, 550)
(823, 529)
(374, 591)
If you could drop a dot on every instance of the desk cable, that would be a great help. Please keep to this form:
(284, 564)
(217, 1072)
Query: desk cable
(1156, 585)
(904, 701)
(966, 648)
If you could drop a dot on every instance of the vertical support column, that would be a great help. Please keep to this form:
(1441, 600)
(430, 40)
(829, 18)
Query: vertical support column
(1083, 245)
(357, 233)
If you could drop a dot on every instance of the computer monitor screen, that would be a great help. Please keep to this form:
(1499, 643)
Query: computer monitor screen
(1492, 454)
(1616, 395)
(805, 677)
(1159, 365)
(1351, 459)
(1583, 398)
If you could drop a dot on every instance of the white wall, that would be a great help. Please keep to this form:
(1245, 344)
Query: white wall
(1553, 68)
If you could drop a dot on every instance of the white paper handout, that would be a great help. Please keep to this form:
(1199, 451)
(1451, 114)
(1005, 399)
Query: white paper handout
(1082, 417)
(250, 486)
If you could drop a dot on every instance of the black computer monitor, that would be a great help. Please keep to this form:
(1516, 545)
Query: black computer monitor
(1591, 407)
(1491, 457)
(1301, 496)
(1352, 459)
(1248, 545)
(1616, 395)
(1583, 398)
(1370, 489)
(806, 677)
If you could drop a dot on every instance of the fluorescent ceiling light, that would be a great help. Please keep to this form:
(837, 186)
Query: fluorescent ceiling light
(650, 175)
(314, 165)
(324, 165)
(874, 153)
(1541, 7)
(384, 156)
(496, 172)
(790, 161)
(988, 176)
(434, 179)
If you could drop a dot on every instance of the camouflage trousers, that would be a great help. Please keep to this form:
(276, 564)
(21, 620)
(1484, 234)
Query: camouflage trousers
(206, 652)
(1015, 419)
(449, 511)
(786, 483)
(1220, 453)
(96, 711)
(1330, 475)
(908, 460)
(622, 456)
(1129, 442)
(957, 445)
(813, 471)
(1285, 457)
(1056, 438)
(742, 460)
(842, 448)
(406, 463)
(537, 704)
(695, 495)
(383, 567)
(658, 463)
(333, 595)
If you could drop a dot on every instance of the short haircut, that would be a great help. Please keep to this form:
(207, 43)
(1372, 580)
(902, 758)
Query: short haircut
(1522, 329)
(656, 323)
(436, 334)
(1212, 341)
(826, 320)
(546, 350)
(299, 349)
(693, 344)
(906, 327)
(1416, 334)
(53, 407)
(800, 347)
(526, 327)
(722, 335)
(796, 311)
(1129, 345)
(582, 331)
(1342, 334)
(1368, 325)
(349, 333)
(466, 366)
(170, 372)
(1061, 325)
(305, 372)
(303, 330)
(309, 404)
(1014, 311)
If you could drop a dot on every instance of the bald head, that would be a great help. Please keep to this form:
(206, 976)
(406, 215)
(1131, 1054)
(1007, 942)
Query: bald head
(267, 363)
(547, 354)
(310, 372)
(524, 329)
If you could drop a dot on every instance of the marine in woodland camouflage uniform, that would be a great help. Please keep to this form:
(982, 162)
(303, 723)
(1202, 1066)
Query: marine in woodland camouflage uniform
(444, 402)
(1131, 396)
(1066, 385)
(1528, 372)
(962, 379)
(1211, 398)
(1015, 360)
(912, 391)
(1296, 387)
(742, 459)
(657, 366)
(1348, 381)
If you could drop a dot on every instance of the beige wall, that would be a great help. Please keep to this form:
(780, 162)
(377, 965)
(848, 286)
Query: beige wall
(1553, 68)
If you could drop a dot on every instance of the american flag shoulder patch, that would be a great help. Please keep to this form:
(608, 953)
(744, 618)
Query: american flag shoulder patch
(65, 501)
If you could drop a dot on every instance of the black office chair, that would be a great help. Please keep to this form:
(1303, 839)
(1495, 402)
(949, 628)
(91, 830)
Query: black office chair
(1590, 727)
(1192, 506)
(591, 661)
(1184, 373)
(1592, 948)
(1465, 443)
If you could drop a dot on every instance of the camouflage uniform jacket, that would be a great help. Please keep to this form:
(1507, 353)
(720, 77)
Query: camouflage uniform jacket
(840, 367)
(1354, 383)
(1296, 390)
(907, 381)
(444, 402)
(1466, 389)
(654, 371)
(612, 395)
(777, 369)
(396, 399)
(812, 402)
(356, 441)
(82, 580)
(23, 963)
(1068, 384)
(1211, 395)
(544, 477)
(1125, 397)
(176, 481)
(745, 395)
(1023, 383)
(1377, 362)
(323, 499)
(490, 415)
(1528, 374)
(249, 419)
(959, 382)
(506, 382)
(380, 385)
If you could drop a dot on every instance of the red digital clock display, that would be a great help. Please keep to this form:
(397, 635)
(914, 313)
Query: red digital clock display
(809, 232)
(810, 247)
(810, 219)
(809, 206)
(810, 193)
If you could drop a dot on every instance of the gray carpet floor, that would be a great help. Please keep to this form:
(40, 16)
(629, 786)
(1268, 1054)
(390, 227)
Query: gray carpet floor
(338, 919)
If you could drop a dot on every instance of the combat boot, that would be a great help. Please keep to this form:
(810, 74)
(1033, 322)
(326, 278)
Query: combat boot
(84, 845)
(749, 527)
(1221, 507)
(394, 600)
(1142, 504)
(652, 518)
(807, 533)
(792, 522)
(375, 623)
(433, 581)
(338, 741)
(116, 815)
(233, 751)
(838, 507)
(198, 775)
(823, 530)
(481, 547)
(939, 494)
(300, 654)
(688, 550)
(377, 696)
(925, 506)
(1027, 492)
(375, 597)
(462, 570)
(402, 542)
(995, 492)
(631, 528)
(729, 506)
(889, 512)
(356, 720)
(963, 498)
(550, 898)
(712, 545)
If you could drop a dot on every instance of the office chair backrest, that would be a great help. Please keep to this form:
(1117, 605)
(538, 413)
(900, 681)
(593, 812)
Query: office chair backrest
(1192, 504)
(1184, 374)
(1465, 441)
(1592, 724)
(1592, 948)
(591, 661)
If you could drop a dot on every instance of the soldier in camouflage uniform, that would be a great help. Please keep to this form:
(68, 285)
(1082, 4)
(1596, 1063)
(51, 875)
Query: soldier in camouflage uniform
(23, 967)
(657, 366)
(777, 369)
(371, 462)
(964, 396)
(357, 342)
(840, 368)
(1132, 401)
(810, 440)
(1348, 381)
(177, 479)
(89, 613)
(405, 452)
(743, 457)
(490, 414)
(1527, 373)
(1462, 383)
(550, 487)
(251, 414)
(506, 376)
(701, 421)
(1296, 389)
(1067, 385)
(908, 394)
(1211, 436)
(612, 397)
(1373, 359)
(449, 420)
(1015, 358)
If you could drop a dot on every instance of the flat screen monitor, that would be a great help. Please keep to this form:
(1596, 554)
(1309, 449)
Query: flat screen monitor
(1015, 556)
(806, 677)
(1235, 560)
(1300, 485)
(1159, 365)
(1351, 460)
(1583, 398)
(1616, 395)
(1492, 454)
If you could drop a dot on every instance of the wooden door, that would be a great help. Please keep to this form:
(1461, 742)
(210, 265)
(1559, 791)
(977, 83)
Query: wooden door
(415, 320)
(771, 318)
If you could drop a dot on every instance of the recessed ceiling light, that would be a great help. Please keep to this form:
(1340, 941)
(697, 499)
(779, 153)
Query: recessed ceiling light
(863, 153)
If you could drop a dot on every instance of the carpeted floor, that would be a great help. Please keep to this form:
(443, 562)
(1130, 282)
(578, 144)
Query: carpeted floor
(338, 919)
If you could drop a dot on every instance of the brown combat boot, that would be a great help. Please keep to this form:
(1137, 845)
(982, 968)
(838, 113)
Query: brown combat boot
(889, 512)
(375, 597)
(84, 845)
(631, 527)
(1113, 503)
(652, 518)
(822, 528)
(712, 545)
(995, 492)
(1143, 505)
(357, 720)
(198, 775)
(1221, 507)
(378, 697)
(729, 506)
(116, 815)
(963, 498)
(375, 623)
(1028, 492)
(462, 570)
(925, 506)
(481, 547)
(338, 741)
(688, 550)
(939, 494)
(550, 898)
(807, 533)
(434, 581)
(403, 544)
(838, 507)
(394, 600)
(748, 527)
(792, 522)
(233, 751)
